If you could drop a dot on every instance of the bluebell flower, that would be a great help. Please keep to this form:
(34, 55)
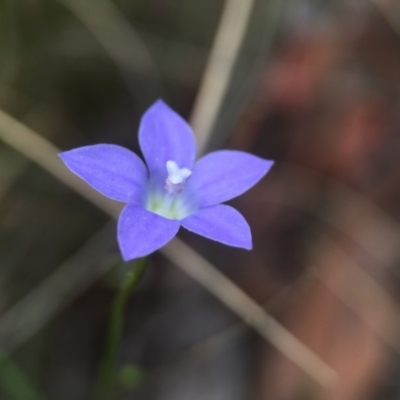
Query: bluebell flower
(172, 190)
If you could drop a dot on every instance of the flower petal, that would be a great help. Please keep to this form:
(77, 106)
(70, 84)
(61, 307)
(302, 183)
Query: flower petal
(114, 171)
(165, 136)
(225, 174)
(221, 223)
(141, 232)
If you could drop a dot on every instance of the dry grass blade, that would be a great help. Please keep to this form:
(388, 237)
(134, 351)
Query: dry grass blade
(36, 148)
(216, 343)
(225, 49)
(250, 312)
(387, 14)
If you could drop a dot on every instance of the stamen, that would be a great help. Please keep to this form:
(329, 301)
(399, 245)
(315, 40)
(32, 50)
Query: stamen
(176, 178)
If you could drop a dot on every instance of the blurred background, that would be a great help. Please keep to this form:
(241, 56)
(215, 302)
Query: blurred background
(311, 84)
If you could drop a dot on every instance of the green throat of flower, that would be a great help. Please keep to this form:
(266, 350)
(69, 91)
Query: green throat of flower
(168, 206)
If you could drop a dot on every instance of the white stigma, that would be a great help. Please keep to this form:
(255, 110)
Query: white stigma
(176, 177)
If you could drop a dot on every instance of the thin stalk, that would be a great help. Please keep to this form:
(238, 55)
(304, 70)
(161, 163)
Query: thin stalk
(108, 365)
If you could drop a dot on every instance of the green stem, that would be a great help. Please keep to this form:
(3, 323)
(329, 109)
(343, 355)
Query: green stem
(108, 364)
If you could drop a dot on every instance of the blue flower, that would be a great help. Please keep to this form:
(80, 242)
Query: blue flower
(173, 190)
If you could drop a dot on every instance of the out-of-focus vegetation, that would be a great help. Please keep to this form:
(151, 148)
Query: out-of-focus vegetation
(320, 95)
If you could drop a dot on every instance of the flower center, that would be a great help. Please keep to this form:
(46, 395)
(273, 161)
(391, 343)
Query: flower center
(171, 203)
(176, 178)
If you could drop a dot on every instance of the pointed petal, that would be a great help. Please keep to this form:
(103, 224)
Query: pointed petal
(141, 232)
(165, 136)
(221, 223)
(114, 171)
(223, 175)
